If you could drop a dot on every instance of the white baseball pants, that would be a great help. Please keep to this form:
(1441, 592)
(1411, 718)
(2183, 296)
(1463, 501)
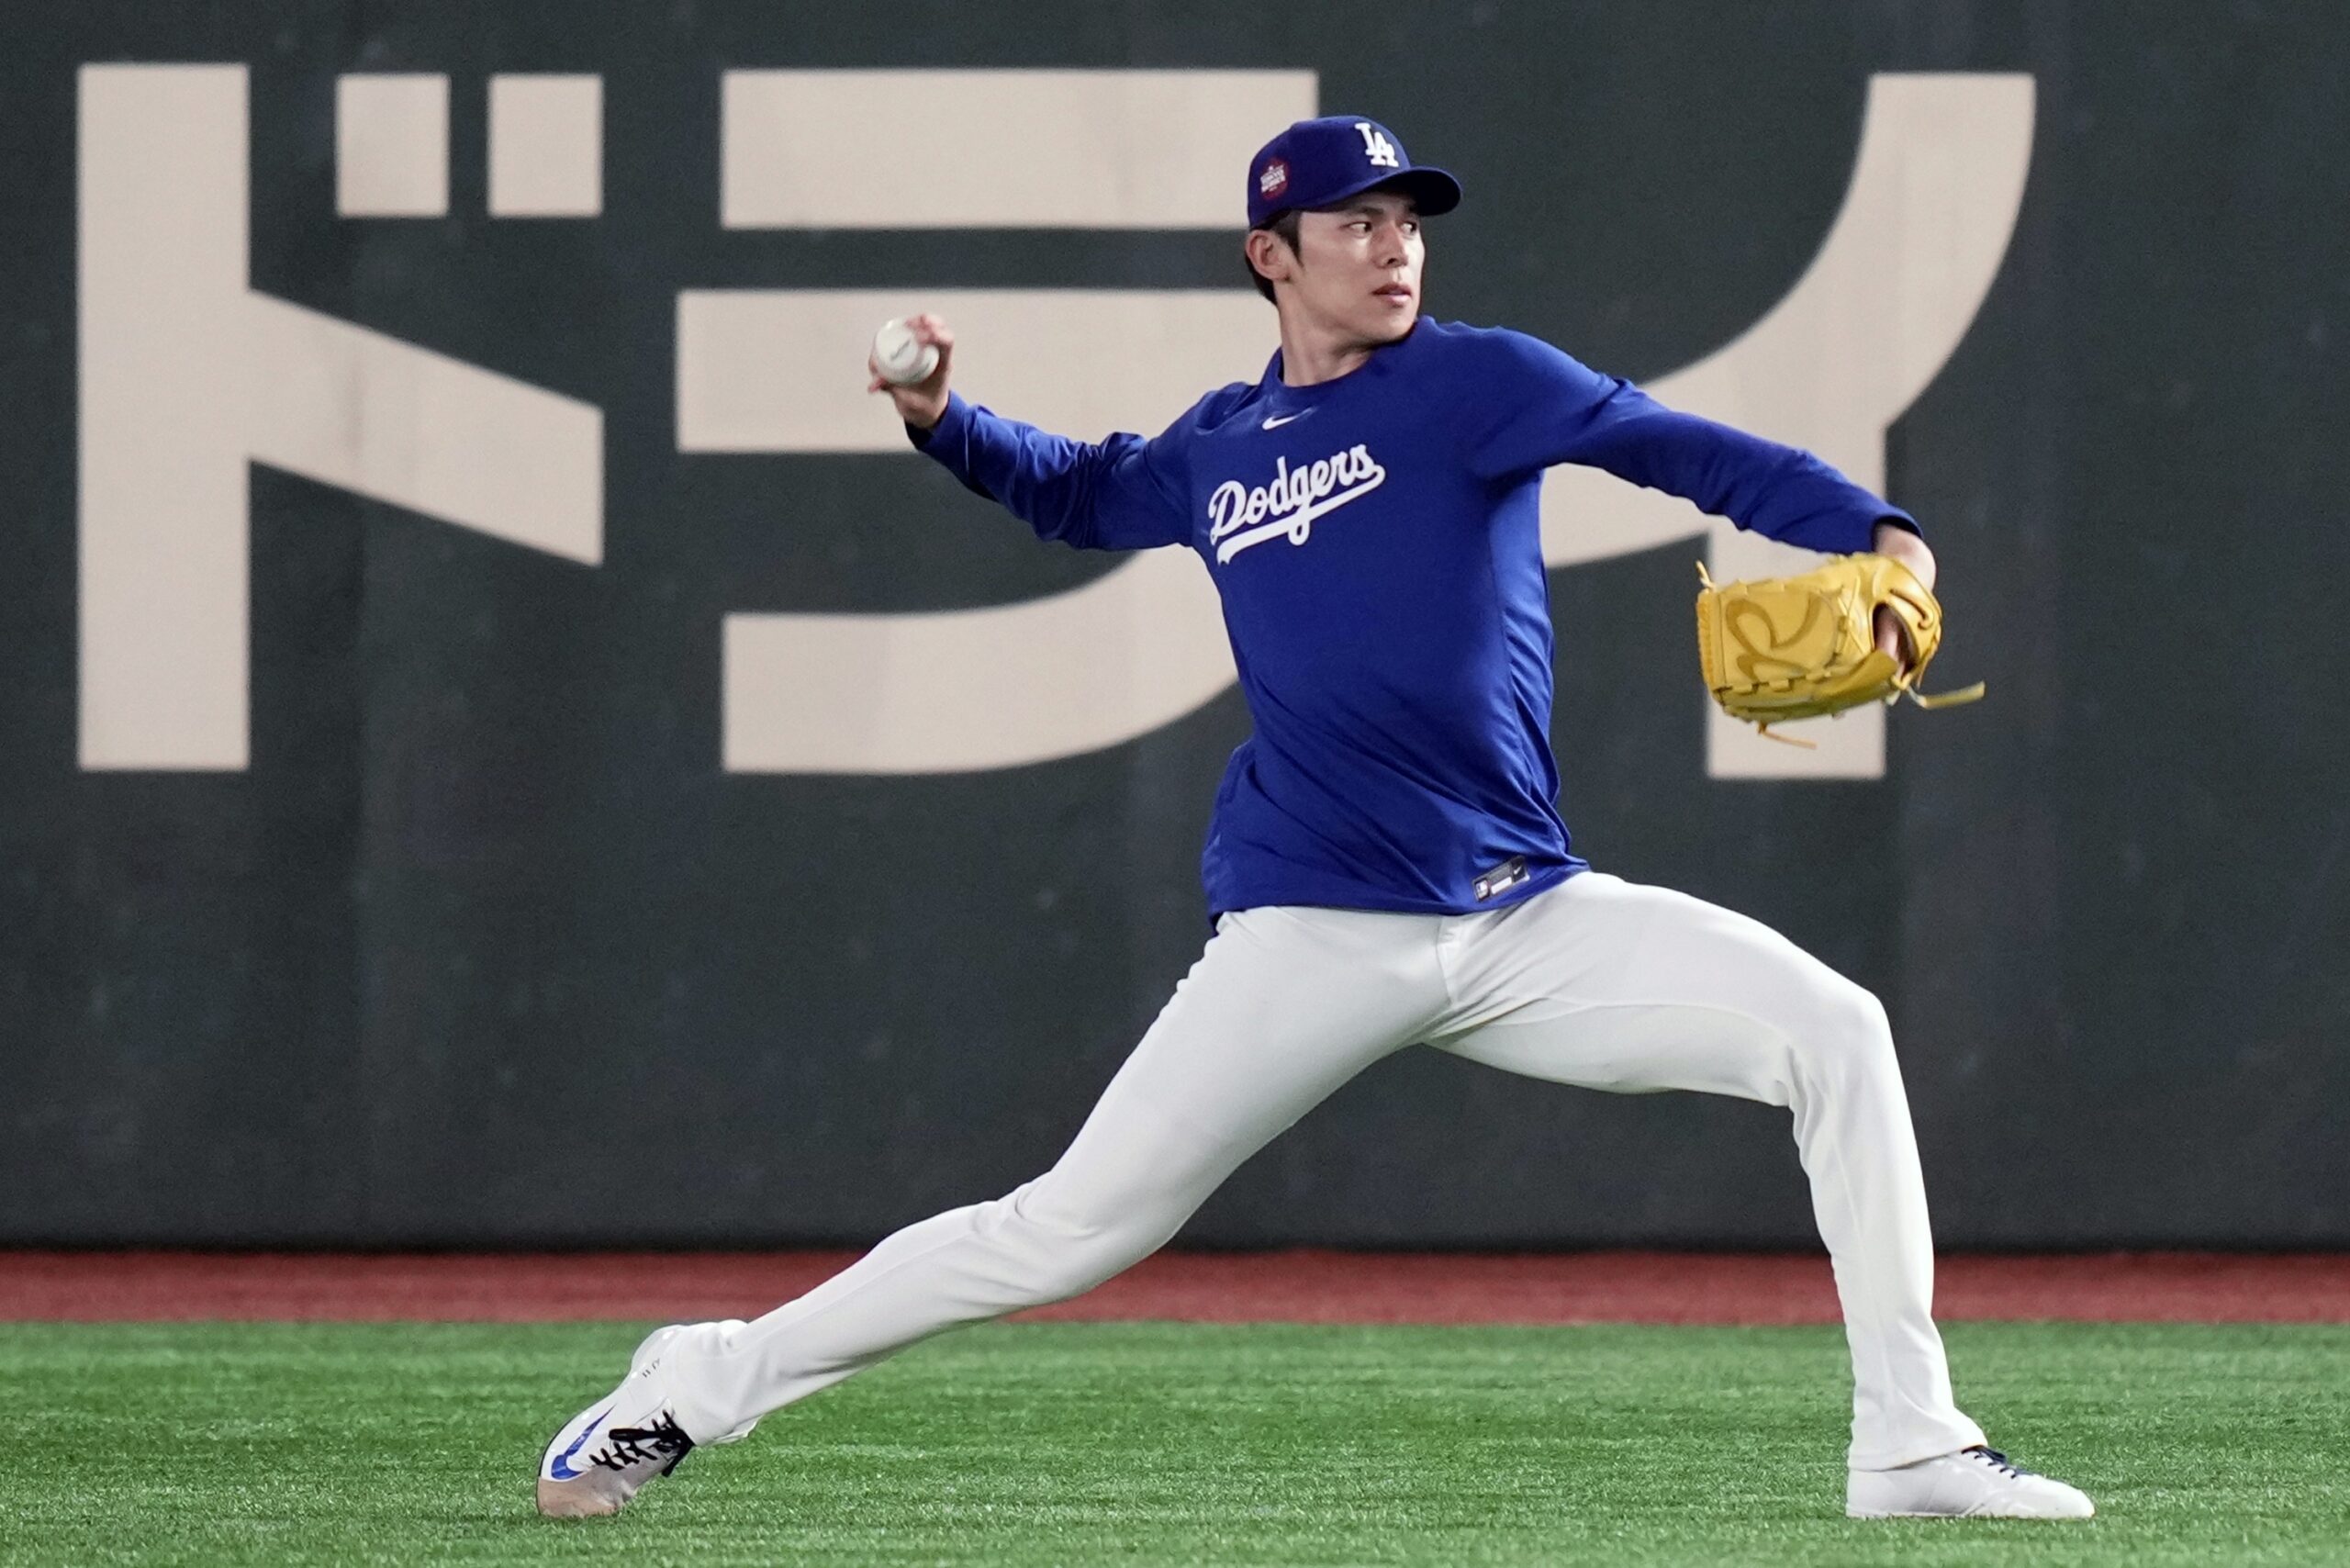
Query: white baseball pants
(1596, 982)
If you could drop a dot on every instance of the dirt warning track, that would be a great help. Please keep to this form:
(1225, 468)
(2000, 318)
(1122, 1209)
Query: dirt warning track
(1285, 1287)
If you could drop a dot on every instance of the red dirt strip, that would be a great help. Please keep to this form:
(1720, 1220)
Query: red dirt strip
(1199, 1287)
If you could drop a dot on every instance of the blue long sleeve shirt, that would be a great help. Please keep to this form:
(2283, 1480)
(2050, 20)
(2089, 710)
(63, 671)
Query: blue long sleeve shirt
(1376, 542)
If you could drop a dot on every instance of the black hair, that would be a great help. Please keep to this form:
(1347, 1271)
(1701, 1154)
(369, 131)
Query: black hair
(1283, 227)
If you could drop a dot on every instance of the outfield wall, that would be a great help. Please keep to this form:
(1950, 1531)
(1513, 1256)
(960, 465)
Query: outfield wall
(496, 748)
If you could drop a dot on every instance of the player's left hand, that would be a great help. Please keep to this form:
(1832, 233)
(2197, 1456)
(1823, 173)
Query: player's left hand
(1892, 539)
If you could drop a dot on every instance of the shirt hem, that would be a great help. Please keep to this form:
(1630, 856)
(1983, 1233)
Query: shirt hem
(1397, 904)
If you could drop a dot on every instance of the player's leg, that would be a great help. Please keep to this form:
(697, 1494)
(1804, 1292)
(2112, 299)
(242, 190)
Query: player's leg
(1284, 1007)
(1611, 985)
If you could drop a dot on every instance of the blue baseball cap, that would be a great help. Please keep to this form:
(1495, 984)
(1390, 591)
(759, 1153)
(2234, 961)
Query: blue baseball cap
(1318, 162)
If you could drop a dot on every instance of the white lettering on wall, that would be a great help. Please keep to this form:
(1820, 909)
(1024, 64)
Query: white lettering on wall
(188, 373)
(1936, 186)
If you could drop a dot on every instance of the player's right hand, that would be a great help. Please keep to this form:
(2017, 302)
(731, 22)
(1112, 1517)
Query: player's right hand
(922, 403)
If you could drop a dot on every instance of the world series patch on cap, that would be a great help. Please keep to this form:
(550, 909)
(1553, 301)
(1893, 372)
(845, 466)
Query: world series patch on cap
(1318, 161)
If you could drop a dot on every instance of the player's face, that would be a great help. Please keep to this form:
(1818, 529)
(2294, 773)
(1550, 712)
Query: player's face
(1358, 271)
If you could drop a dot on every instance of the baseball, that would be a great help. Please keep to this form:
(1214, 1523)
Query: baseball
(901, 357)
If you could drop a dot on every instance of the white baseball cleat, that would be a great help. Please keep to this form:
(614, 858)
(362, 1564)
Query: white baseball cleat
(1972, 1483)
(601, 1456)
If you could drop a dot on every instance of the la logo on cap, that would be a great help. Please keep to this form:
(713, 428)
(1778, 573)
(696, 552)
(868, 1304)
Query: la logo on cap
(1274, 180)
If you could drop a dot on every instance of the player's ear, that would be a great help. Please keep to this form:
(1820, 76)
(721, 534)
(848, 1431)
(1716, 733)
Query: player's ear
(1269, 255)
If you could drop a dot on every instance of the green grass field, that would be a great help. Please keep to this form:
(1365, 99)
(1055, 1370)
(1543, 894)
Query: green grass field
(1137, 1443)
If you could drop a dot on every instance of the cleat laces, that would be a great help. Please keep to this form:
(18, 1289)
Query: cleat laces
(626, 1446)
(1991, 1457)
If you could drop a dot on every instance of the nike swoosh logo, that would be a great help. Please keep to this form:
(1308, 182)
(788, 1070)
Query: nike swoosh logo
(560, 1469)
(1277, 421)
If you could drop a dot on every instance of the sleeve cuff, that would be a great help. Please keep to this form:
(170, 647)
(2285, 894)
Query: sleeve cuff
(957, 411)
(1854, 532)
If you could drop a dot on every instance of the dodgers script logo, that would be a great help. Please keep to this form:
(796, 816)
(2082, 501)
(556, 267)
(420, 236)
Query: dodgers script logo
(1294, 500)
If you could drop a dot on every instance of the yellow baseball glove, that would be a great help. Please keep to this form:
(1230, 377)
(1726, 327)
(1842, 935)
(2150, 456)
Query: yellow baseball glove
(1783, 648)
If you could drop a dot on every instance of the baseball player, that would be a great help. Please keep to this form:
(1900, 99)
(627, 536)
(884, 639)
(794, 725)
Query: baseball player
(1386, 865)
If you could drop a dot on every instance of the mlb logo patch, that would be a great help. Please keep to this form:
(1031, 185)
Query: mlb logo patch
(1274, 180)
